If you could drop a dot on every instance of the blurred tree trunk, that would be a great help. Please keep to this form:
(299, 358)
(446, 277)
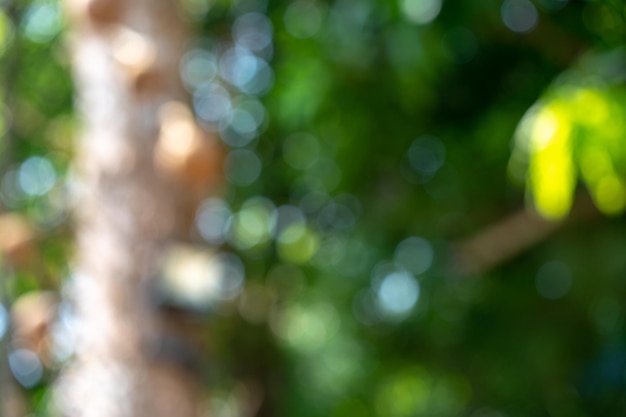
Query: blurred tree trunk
(125, 59)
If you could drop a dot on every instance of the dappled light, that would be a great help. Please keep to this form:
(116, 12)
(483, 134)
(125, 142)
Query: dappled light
(26, 367)
(200, 279)
(421, 12)
(397, 293)
(42, 21)
(243, 167)
(36, 176)
(554, 280)
(303, 19)
(426, 156)
(4, 321)
(519, 15)
(312, 208)
(414, 254)
(414, 390)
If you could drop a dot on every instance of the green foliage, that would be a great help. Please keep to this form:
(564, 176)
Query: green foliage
(383, 139)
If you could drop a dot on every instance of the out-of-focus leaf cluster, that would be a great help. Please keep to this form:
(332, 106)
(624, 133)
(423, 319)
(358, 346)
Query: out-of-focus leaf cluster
(577, 130)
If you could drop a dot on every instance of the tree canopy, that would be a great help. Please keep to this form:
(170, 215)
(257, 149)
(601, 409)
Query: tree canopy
(403, 226)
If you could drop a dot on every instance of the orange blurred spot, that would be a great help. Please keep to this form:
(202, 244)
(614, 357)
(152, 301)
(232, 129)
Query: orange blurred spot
(97, 12)
(184, 151)
(133, 51)
(16, 239)
(32, 315)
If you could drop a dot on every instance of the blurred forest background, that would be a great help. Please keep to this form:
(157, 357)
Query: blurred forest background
(420, 212)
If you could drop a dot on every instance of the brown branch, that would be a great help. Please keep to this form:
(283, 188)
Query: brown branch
(509, 237)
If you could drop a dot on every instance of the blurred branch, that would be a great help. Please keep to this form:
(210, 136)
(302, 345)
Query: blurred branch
(509, 237)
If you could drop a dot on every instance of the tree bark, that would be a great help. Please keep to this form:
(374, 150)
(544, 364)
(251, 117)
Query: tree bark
(125, 58)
